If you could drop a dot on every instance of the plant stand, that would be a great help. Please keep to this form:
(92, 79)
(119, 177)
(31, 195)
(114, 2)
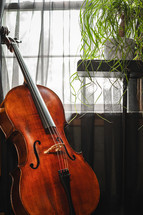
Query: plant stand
(130, 72)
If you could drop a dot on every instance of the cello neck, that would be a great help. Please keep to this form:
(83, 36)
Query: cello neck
(43, 112)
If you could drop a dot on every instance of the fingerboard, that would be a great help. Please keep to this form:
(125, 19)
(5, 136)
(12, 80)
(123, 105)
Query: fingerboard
(43, 112)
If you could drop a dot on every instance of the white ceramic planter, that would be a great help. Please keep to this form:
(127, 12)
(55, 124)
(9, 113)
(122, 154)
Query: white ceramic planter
(123, 51)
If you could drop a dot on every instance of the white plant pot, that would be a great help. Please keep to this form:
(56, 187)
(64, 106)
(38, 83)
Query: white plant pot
(119, 51)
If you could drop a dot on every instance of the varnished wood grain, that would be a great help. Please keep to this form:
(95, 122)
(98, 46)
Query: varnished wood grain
(39, 191)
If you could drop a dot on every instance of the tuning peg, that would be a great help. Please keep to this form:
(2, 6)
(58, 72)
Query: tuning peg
(4, 31)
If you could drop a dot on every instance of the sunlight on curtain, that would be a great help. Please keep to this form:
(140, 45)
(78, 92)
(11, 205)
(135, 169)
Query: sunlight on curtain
(50, 46)
(50, 35)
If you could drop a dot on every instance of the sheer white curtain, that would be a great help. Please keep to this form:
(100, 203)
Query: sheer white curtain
(50, 34)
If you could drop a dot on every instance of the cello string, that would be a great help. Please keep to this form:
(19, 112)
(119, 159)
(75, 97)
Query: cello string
(58, 152)
(63, 162)
(64, 156)
(58, 155)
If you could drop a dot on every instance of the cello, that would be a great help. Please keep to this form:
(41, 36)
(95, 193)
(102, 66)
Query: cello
(51, 178)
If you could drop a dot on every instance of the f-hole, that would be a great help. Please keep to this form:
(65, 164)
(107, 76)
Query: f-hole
(36, 154)
(60, 140)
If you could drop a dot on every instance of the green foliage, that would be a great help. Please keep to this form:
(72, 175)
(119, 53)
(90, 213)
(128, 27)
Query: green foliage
(108, 20)
(100, 20)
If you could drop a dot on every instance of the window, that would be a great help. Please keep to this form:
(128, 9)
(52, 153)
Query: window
(50, 34)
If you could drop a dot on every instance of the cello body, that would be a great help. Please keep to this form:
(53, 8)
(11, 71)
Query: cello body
(51, 178)
(38, 190)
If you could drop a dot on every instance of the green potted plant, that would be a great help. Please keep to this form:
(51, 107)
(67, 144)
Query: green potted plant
(116, 22)
(110, 25)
